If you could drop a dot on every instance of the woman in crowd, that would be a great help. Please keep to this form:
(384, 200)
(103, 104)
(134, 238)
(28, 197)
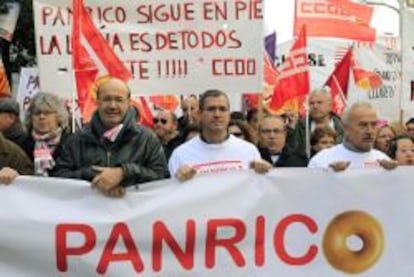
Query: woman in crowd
(322, 138)
(384, 136)
(402, 150)
(47, 122)
(242, 130)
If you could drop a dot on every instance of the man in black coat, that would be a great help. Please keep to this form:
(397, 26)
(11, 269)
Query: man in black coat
(273, 147)
(113, 152)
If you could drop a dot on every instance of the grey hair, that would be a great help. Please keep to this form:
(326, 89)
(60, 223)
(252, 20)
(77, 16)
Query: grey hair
(47, 102)
(348, 111)
(326, 91)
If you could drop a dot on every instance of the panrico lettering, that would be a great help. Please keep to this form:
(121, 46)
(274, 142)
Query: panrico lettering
(239, 243)
(122, 237)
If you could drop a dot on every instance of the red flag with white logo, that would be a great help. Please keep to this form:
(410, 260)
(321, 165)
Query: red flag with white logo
(334, 18)
(293, 78)
(338, 82)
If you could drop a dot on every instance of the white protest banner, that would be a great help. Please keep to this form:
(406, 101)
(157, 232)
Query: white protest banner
(171, 46)
(407, 97)
(382, 57)
(9, 14)
(290, 222)
(28, 87)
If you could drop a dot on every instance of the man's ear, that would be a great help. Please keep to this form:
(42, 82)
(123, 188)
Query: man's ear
(12, 116)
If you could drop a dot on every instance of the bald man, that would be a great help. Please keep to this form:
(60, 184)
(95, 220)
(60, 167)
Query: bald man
(113, 152)
(357, 149)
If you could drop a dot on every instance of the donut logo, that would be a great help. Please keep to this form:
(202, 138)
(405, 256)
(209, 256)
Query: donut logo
(342, 227)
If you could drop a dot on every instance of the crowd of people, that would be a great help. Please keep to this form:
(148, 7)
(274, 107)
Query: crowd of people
(114, 152)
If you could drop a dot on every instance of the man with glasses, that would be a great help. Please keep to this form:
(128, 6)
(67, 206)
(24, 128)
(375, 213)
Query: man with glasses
(214, 150)
(357, 149)
(165, 127)
(113, 152)
(272, 144)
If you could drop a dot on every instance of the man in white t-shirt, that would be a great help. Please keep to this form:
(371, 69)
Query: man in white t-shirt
(214, 150)
(356, 151)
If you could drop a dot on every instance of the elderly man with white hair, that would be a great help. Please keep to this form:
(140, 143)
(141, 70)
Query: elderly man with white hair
(320, 116)
(357, 149)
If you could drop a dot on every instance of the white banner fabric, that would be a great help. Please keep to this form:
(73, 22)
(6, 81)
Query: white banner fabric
(171, 46)
(382, 57)
(231, 224)
(407, 97)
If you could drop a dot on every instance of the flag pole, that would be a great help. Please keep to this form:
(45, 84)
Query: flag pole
(307, 127)
(64, 70)
(73, 104)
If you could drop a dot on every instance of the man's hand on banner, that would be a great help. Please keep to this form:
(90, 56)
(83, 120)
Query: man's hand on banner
(185, 173)
(7, 175)
(107, 178)
(339, 165)
(260, 166)
(388, 164)
(115, 192)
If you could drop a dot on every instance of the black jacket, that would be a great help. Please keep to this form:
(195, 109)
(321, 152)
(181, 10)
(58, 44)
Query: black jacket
(136, 150)
(287, 158)
(171, 145)
(30, 144)
(18, 135)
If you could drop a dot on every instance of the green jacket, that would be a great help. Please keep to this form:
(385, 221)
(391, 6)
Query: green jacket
(297, 138)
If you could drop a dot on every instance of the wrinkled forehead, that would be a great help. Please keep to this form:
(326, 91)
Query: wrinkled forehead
(363, 114)
(216, 101)
(316, 97)
(190, 101)
(272, 122)
(405, 143)
(164, 114)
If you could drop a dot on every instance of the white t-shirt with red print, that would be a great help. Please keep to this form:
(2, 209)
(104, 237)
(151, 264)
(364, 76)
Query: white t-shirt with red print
(340, 153)
(233, 154)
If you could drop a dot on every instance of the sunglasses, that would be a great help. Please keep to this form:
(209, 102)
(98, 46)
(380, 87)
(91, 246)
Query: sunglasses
(163, 121)
(237, 134)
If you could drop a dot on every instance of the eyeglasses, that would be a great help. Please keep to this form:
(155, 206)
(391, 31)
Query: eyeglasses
(237, 134)
(45, 113)
(117, 100)
(163, 121)
(212, 109)
(269, 131)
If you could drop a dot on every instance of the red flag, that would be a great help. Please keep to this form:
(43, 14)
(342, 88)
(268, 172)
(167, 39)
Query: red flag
(145, 114)
(363, 13)
(365, 79)
(85, 68)
(164, 102)
(335, 18)
(338, 82)
(4, 82)
(293, 79)
(270, 73)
